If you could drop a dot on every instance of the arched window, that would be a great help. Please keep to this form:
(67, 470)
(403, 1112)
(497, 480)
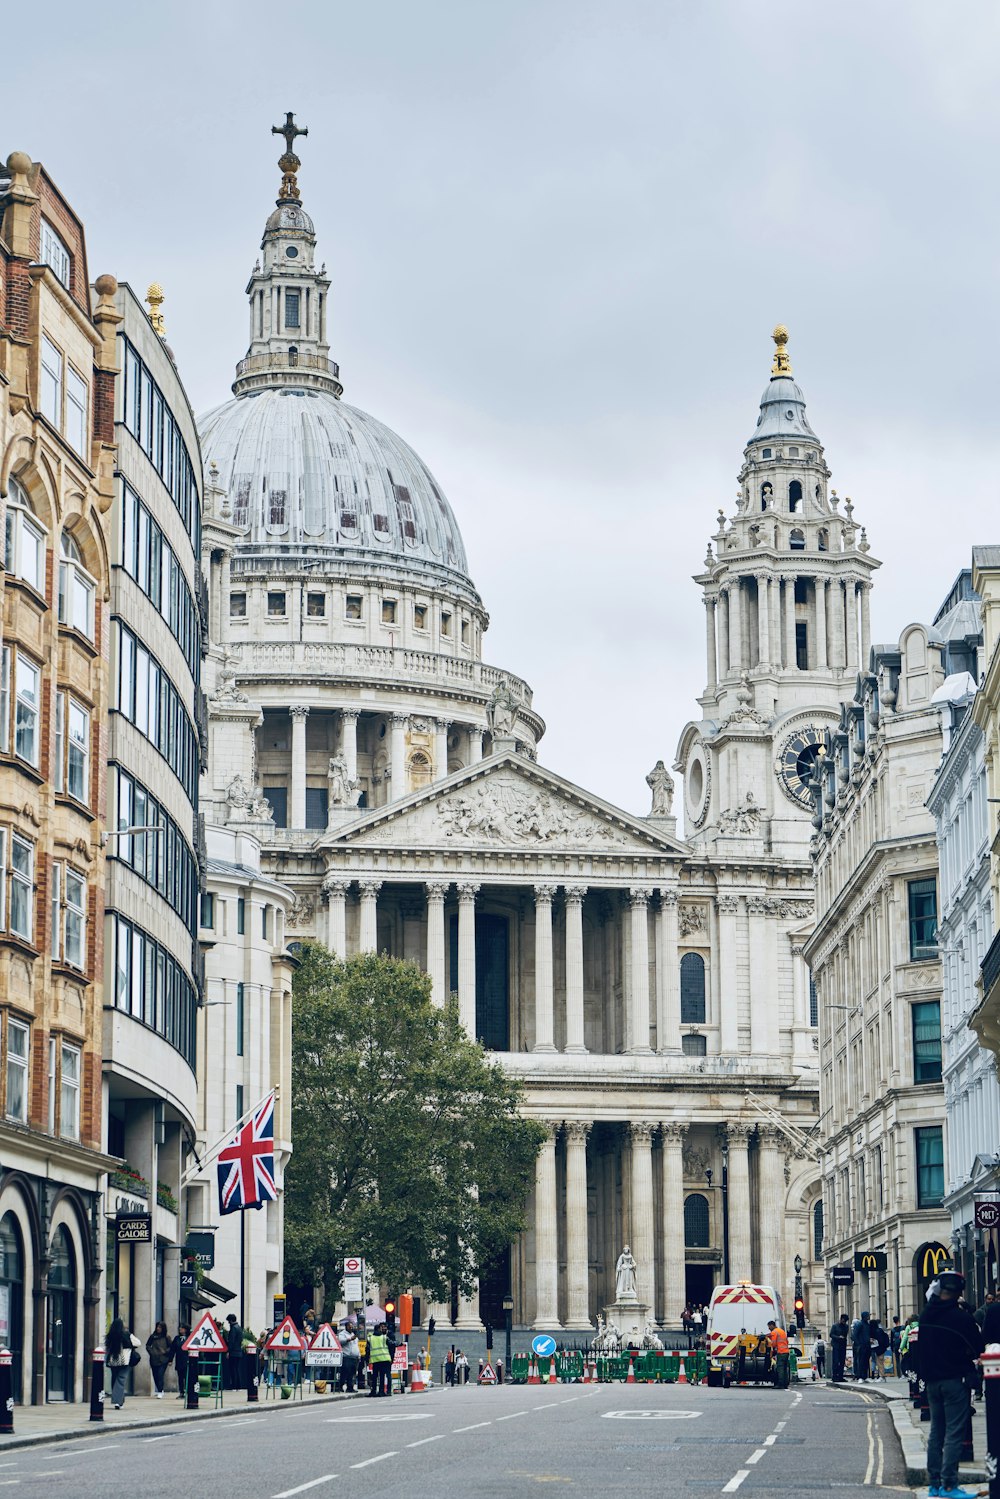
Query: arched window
(766, 494)
(818, 1229)
(823, 541)
(24, 539)
(696, 1222)
(794, 496)
(797, 541)
(12, 1295)
(76, 588)
(692, 989)
(60, 1364)
(420, 770)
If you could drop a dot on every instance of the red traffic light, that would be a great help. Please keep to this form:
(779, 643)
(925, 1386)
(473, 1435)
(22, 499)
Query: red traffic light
(799, 1304)
(390, 1306)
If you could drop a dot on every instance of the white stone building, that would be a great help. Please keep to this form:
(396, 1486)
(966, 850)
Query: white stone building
(651, 993)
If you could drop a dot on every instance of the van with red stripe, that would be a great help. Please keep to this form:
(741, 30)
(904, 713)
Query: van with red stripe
(737, 1317)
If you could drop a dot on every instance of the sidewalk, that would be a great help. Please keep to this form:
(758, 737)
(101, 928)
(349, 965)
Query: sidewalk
(59, 1422)
(912, 1433)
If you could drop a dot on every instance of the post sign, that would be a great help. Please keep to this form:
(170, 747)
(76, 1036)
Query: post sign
(200, 1247)
(189, 1282)
(354, 1277)
(842, 1275)
(134, 1228)
(871, 1259)
(987, 1213)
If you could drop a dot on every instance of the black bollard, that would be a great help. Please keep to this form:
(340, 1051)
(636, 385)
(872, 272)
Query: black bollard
(191, 1403)
(252, 1377)
(991, 1399)
(6, 1391)
(97, 1385)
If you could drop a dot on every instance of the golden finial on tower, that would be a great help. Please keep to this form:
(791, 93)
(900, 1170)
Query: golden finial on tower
(288, 161)
(154, 301)
(782, 364)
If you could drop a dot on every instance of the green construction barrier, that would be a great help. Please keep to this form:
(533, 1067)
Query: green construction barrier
(519, 1368)
(671, 1367)
(574, 1365)
(697, 1366)
(618, 1367)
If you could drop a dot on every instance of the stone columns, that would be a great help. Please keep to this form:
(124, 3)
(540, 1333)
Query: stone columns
(771, 1204)
(851, 622)
(546, 1236)
(729, 906)
(674, 1262)
(335, 893)
(668, 990)
(763, 999)
(736, 626)
(441, 727)
(297, 811)
(723, 618)
(574, 968)
(545, 1038)
(790, 658)
(225, 584)
(740, 1243)
(639, 998)
(436, 946)
(866, 624)
(822, 659)
(349, 740)
(369, 915)
(577, 1247)
(763, 621)
(475, 744)
(397, 789)
(641, 1217)
(710, 641)
(467, 956)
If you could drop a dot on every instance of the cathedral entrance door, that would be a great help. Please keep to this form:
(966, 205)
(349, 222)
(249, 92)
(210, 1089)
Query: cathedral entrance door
(698, 1283)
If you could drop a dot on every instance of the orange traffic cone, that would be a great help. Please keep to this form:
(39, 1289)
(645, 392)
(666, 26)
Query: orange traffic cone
(586, 1371)
(681, 1376)
(631, 1379)
(533, 1371)
(552, 1370)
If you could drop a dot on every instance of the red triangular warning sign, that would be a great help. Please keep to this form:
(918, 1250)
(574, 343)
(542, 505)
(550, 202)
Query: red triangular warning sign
(286, 1335)
(204, 1337)
(325, 1339)
(487, 1376)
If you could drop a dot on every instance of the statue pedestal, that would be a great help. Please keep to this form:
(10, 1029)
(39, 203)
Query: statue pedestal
(630, 1318)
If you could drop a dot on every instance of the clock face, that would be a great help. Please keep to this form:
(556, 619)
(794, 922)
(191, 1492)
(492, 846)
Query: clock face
(796, 764)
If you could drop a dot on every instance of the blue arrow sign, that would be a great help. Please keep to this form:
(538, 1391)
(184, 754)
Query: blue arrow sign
(543, 1345)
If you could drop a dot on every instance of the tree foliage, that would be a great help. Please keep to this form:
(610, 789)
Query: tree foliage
(409, 1147)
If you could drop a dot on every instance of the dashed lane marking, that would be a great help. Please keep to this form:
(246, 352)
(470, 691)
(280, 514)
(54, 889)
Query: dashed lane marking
(380, 1459)
(755, 1457)
(513, 1415)
(79, 1451)
(301, 1488)
(770, 1441)
(735, 1481)
(422, 1441)
(474, 1427)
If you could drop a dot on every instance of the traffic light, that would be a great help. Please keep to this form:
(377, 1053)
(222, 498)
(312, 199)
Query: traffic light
(800, 1312)
(390, 1314)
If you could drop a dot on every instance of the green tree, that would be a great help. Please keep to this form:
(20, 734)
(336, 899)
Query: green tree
(410, 1148)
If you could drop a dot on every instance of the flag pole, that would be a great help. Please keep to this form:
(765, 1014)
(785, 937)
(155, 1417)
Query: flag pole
(243, 1267)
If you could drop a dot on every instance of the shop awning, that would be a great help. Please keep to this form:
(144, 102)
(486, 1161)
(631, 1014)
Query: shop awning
(209, 1293)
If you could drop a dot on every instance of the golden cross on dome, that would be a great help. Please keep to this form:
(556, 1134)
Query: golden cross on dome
(288, 161)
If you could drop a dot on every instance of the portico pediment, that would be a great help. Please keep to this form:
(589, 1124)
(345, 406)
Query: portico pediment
(506, 802)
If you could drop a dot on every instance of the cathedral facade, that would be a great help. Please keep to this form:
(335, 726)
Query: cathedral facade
(649, 991)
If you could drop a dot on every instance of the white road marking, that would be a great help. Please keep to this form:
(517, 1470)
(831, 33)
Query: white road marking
(312, 1484)
(513, 1416)
(755, 1457)
(424, 1440)
(735, 1481)
(380, 1459)
(781, 1426)
(474, 1427)
(646, 1415)
(79, 1451)
(770, 1441)
(363, 1420)
(870, 1470)
(158, 1439)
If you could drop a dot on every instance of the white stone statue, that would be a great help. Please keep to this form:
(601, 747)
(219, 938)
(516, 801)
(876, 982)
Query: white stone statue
(341, 790)
(625, 1290)
(501, 710)
(661, 784)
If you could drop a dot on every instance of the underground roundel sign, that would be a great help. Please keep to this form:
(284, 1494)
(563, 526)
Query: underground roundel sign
(543, 1345)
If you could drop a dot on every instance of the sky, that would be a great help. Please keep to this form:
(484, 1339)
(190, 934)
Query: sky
(559, 235)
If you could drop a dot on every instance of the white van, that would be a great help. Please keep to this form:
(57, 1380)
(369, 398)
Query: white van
(741, 1311)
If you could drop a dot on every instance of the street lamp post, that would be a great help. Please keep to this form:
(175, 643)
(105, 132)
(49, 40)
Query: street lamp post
(508, 1312)
(725, 1209)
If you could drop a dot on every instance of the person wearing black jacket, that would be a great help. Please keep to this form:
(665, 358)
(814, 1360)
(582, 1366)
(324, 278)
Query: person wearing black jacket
(838, 1348)
(180, 1358)
(950, 1341)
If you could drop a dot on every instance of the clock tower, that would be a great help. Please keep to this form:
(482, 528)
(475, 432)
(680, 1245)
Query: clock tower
(785, 584)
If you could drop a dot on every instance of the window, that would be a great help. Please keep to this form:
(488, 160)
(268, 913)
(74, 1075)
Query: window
(818, 1229)
(823, 540)
(316, 605)
(78, 753)
(76, 412)
(151, 986)
(922, 899)
(388, 611)
(926, 1020)
(69, 1092)
(168, 452)
(239, 1101)
(317, 806)
(276, 605)
(55, 880)
(352, 606)
(207, 915)
(420, 616)
(692, 989)
(765, 452)
(22, 886)
(465, 632)
(237, 606)
(696, 1221)
(24, 541)
(930, 1166)
(291, 309)
(54, 253)
(51, 382)
(76, 589)
(693, 1045)
(797, 541)
(813, 1002)
(265, 915)
(794, 496)
(802, 646)
(240, 1017)
(76, 917)
(277, 797)
(445, 622)
(801, 591)
(241, 917)
(28, 686)
(148, 698)
(5, 660)
(148, 557)
(17, 1071)
(164, 858)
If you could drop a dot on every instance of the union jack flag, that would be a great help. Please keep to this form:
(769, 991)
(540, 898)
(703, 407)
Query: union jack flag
(246, 1164)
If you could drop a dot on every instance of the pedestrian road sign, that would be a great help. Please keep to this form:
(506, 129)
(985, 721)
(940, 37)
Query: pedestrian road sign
(325, 1338)
(285, 1338)
(543, 1345)
(205, 1337)
(400, 1359)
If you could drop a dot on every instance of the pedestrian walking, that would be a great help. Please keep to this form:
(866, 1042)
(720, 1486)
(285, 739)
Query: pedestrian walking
(349, 1358)
(160, 1350)
(879, 1347)
(819, 1359)
(861, 1345)
(949, 1343)
(838, 1348)
(980, 1313)
(895, 1336)
(119, 1346)
(449, 1367)
(234, 1353)
(381, 1361)
(179, 1355)
(686, 1322)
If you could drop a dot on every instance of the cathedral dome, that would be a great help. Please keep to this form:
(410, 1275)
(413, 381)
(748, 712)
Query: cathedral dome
(304, 469)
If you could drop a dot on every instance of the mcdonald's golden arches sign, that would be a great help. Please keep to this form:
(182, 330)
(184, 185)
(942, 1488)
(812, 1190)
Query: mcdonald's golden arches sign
(871, 1259)
(932, 1259)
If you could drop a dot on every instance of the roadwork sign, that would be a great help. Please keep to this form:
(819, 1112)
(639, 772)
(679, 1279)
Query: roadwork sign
(204, 1337)
(285, 1338)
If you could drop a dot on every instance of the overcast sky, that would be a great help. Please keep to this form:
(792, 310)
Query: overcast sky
(559, 236)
